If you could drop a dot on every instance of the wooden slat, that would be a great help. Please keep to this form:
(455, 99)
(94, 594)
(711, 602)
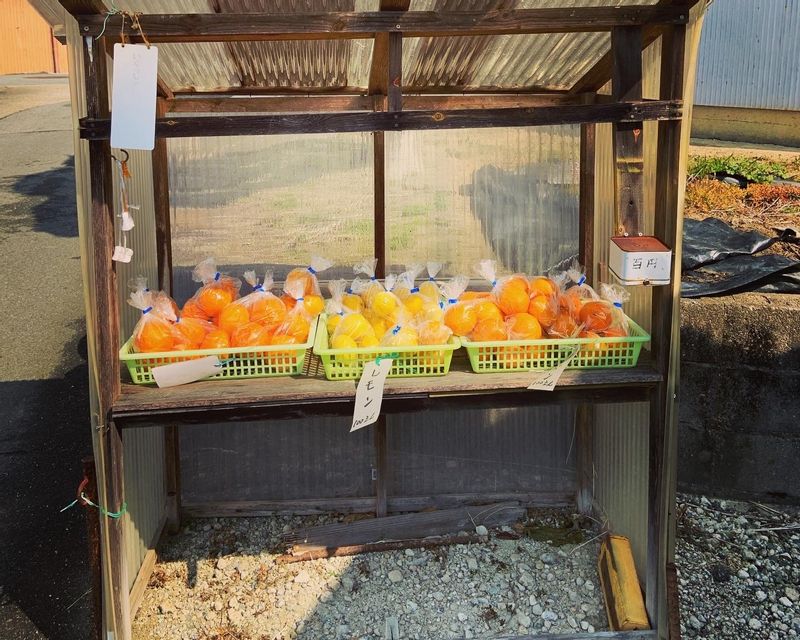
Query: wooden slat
(293, 26)
(302, 396)
(172, 480)
(146, 569)
(115, 495)
(667, 228)
(394, 87)
(396, 504)
(584, 458)
(628, 140)
(379, 201)
(201, 126)
(586, 200)
(380, 431)
(93, 540)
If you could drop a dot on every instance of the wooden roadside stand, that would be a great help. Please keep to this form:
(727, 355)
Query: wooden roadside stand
(389, 104)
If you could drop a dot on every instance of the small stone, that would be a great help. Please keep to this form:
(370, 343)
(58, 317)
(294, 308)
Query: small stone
(411, 605)
(166, 608)
(536, 609)
(694, 623)
(572, 622)
(218, 605)
(235, 616)
(347, 583)
(754, 623)
(589, 586)
(532, 600)
(792, 594)
(584, 625)
(481, 530)
(438, 596)
(223, 563)
(462, 616)
(524, 621)
(395, 576)
(303, 577)
(468, 635)
(548, 558)
(785, 601)
(743, 574)
(472, 564)
(549, 615)
(409, 552)
(342, 630)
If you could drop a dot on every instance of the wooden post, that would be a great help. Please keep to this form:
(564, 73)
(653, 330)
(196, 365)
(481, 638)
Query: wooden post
(395, 80)
(161, 206)
(107, 331)
(93, 539)
(116, 539)
(668, 226)
(626, 84)
(172, 467)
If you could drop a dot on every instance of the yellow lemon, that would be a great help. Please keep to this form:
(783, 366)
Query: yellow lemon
(414, 303)
(333, 322)
(379, 327)
(354, 326)
(314, 304)
(433, 312)
(369, 341)
(343, 342)
(384, 303)
(405, 337)
(353, 302)
(430, 290)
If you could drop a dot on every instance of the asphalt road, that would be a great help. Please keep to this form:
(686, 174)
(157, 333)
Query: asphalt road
(44, 429)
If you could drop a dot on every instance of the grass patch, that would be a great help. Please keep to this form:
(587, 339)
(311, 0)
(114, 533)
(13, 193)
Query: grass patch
(752, 169)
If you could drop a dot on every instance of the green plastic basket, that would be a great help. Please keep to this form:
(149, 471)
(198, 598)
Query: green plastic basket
(243, 362)
(409, 362)
(524, 355)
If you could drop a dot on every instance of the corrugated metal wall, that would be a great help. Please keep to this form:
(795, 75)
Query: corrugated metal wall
(26, 41)
(750, 55)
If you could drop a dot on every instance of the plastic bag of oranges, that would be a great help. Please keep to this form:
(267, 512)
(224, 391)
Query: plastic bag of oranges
(615, 295)
(460, 315)
(307, 277)
(510, 292)
(154, 331)
(217, 292)
(297, 324)
(263, 306)
(432, 331)
(161, 299)
(191, 332)
(578, 292)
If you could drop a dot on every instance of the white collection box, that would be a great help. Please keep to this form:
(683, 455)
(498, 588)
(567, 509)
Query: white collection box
(640, 260)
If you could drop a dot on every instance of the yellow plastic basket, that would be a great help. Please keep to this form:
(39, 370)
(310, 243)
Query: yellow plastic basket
(241, 362)
(524, 355)
(409, 362)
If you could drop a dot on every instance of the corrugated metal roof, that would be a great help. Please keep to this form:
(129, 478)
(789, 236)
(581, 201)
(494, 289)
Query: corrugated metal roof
(750, 55)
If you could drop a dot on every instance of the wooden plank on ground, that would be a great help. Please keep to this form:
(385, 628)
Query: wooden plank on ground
(410, 526)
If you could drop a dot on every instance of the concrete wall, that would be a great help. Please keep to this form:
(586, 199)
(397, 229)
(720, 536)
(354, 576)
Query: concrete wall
(739, 420)
(769, 126)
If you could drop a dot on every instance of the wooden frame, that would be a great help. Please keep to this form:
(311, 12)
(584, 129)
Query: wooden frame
(389, 107)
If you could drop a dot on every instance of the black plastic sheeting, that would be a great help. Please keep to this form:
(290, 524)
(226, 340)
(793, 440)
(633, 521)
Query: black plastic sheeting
(718, 259)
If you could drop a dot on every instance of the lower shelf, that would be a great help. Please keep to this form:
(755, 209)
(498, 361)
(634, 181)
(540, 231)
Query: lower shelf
(312, 394)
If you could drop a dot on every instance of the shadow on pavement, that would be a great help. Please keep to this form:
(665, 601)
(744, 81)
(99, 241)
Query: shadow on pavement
(44, 572)
(54, 191)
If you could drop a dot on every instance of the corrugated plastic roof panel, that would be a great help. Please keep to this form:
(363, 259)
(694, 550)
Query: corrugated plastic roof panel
(296, 64)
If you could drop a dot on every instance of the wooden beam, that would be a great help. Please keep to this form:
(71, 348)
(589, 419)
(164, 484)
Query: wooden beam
(295, 26)
(394, 85)
(379, 69)
(350, 90)
(115, 495)
(321, 104)
(628, 139)
(586, 200)
(83, 7)
(379, 201)
(201, 126)
(93, 539)
(665, 312)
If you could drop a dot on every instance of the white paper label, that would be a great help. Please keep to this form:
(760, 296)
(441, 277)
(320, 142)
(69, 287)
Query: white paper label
(127, 221)
(171, 375)
(369, 394)
(547, 380)
(133, 97)
(122, 254)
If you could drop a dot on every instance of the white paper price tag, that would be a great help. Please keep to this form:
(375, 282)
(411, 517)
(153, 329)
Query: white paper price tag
(369, 394)
(171, 375)
(133, 97)
(122, 254)
(547, 380)
(127, 221)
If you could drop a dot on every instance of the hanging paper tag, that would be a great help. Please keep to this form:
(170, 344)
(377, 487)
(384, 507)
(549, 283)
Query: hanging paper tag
(369, 394)
(122, 254)
(133, 97)
(171, 375)
(547, 380)
(127, 221)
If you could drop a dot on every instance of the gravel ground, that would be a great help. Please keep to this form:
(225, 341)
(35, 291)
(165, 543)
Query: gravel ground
(739, 569)
(218, 580)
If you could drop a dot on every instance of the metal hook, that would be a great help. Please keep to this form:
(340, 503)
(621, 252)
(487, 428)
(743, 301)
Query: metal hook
(127, 156)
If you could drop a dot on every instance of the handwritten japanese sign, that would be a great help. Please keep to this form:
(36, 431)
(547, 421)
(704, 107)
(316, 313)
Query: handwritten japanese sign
(369, 394)
(133, 96)
(547, 380)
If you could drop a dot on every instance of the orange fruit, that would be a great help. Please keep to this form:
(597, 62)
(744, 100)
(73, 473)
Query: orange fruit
(296, 326)
(593, 349)
(474, 295)
(571, 303)
(314, 304)
(563, 326)
(489, 330)
(596, 315)
(301, 275)
(516, 282)
(513, 298)
(268, 310)
(542, 308)
(215, 339)
(191, 330)
(250, 334)
(285, 339)
(542, 286)
(213, 298)
(155, 335)
(615, 332)
(523, 326)
(488, 310)
(461, 318)
(288, 301)
(192, 310)
(232, 317)
(433, 332)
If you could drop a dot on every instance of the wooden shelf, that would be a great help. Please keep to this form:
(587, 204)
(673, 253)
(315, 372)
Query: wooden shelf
(312, 394)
